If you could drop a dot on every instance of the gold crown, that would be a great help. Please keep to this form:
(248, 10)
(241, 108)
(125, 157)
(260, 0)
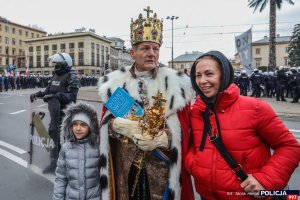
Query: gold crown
(146, 29)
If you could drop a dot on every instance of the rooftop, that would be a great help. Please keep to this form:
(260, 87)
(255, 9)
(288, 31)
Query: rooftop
(188, 57)
(278, 39)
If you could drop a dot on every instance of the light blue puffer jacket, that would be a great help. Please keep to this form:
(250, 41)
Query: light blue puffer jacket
(77, 171)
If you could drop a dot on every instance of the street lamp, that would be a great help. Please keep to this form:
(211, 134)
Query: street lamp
(172, 18)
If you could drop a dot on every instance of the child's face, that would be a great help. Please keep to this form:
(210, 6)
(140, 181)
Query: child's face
(80, 129)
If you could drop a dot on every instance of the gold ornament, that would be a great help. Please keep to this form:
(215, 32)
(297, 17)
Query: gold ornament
(154, 117)
(146, 29)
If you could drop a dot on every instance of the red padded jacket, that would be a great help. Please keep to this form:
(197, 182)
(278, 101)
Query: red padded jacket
(249, 129)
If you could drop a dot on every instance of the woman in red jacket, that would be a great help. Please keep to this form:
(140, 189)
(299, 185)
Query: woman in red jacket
(249, 129)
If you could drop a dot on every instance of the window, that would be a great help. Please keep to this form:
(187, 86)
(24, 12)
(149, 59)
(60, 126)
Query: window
(38, 61)
(26, 33)
(20, 31)
(46, 48)
(46, 63)
(286, 49)
(54, 47)
(257, 51)
(6, 29)
(38, 48)
(98, 59)
(13, 30)
(93, 45)
(80, 58)
(72, 56)
(13, 41)
(30, 61)
(20, 42)
(30, 49)
(80, 45)
(93, 59)
(286, 61)
(71, 45)
(0, 29)
(257, 62)
(32, 35)
(63, 46)
(6, 40)
(13, 51)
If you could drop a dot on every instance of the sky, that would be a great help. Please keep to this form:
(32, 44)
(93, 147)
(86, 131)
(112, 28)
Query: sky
(201, 26)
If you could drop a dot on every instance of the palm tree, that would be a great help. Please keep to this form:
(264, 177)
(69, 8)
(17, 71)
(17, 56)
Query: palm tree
(261, 4)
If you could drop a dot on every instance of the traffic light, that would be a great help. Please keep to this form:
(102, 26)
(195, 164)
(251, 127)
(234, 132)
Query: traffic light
(124, 49)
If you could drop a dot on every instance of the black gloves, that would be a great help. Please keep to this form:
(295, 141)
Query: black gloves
(32, 97)
(35, 95)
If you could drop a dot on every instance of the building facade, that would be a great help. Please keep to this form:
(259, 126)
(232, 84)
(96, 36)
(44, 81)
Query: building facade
(185, 61)
(260, 52)
(90, 52)
(12, 45)
(123, 58)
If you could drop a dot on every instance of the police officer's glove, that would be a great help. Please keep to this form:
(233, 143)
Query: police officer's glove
(32, 98)
(148, 143)
(35, 95)
(126, 127)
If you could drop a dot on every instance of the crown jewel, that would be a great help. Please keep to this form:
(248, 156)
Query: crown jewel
(146, 29)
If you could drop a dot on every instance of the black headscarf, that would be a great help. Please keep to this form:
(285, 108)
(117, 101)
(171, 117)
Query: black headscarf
(226, 79)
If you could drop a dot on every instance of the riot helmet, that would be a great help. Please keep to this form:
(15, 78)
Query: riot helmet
(61, 62)
(293, 70)
(280, 68)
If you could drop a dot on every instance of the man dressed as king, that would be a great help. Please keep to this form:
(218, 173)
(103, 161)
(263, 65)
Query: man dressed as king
(142, 157)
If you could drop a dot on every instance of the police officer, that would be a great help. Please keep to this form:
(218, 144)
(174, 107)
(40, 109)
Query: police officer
(271, 84)
(62, 90)
(244, 83)
(294, 83)
(256, 80)
(0, 82)
(280, 84)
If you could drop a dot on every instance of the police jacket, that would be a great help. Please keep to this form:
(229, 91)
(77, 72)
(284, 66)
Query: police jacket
(64, 86)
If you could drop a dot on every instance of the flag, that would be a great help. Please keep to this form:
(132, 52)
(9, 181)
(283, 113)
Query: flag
(5, 73)
(27, 72)
(243, 45)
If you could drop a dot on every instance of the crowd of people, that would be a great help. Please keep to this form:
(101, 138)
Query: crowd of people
(280, 84)
(14, 82)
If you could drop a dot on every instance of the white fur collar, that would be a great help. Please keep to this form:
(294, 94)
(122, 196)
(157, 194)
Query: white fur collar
(176, 87)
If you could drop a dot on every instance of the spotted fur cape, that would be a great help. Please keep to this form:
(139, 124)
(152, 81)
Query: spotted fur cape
(176, 89)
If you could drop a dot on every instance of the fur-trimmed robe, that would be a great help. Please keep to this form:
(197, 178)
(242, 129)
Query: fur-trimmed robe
(176, 89)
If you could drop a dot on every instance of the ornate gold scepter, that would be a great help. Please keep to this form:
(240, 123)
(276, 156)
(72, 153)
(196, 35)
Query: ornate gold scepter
(150, 123)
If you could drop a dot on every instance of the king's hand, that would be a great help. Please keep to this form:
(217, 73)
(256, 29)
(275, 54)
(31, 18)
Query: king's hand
(147, 142)
(126, 127)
